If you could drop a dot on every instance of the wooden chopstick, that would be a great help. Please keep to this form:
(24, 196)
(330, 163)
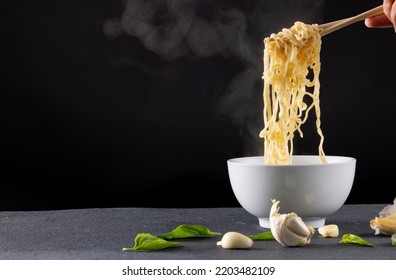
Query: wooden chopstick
(329, 27)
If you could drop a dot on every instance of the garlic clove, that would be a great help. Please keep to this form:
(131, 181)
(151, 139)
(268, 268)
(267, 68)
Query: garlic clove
(296, 223)
(329, 230)
(385, 225)
(289, 229)
(235, 240)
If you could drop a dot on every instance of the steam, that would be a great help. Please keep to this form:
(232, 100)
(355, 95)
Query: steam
(177, 28)
(173, 29)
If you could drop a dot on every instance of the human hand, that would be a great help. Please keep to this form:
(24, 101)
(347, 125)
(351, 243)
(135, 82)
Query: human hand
(387, 20)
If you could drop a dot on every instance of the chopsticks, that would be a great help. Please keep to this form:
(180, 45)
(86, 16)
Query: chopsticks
(329, 27)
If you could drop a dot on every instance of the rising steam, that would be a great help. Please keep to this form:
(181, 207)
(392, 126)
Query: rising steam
(173, 29)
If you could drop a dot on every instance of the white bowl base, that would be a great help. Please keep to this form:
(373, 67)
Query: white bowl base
(313, 222)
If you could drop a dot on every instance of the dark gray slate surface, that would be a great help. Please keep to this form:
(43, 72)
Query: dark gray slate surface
(101, 234)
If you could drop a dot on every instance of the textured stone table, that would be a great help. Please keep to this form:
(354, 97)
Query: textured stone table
(100, 234)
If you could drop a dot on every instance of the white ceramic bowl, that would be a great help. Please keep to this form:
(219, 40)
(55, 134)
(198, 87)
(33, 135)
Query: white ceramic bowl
(308, 187)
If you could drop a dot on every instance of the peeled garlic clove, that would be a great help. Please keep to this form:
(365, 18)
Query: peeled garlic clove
(235, 240)
(289, 229)
(329, 231)
(385, 225)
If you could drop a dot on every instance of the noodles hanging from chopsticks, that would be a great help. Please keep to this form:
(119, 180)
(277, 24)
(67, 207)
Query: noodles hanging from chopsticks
(291, 67)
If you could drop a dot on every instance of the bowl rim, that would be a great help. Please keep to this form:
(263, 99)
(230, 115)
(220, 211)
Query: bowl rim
(343, 160)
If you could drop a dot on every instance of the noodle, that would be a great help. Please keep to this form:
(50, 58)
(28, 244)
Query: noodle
(290, 58)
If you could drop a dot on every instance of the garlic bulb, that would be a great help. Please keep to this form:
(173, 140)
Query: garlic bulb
(289, 229)
(235, 240)
(329, 230)
(386, 222)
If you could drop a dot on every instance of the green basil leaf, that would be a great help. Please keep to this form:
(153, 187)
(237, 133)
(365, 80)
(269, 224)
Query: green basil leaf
(267, 235)
(186, 231)
(393, 239)
(354, 239)
(148, 242)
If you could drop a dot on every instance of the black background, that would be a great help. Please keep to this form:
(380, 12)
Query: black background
(140, 103)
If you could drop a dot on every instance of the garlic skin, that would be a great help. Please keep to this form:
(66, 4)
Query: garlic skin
(235, 240)
(289, 229)
(388, 210)
(385, 225)
(329, 231)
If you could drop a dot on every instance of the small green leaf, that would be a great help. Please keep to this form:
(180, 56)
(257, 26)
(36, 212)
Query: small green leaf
(148, 242)
(267, 235)
(186, 231)
(354, 239)
(393, 239)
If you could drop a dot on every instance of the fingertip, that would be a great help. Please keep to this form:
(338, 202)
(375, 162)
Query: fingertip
(368, 22)
(378, 22)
